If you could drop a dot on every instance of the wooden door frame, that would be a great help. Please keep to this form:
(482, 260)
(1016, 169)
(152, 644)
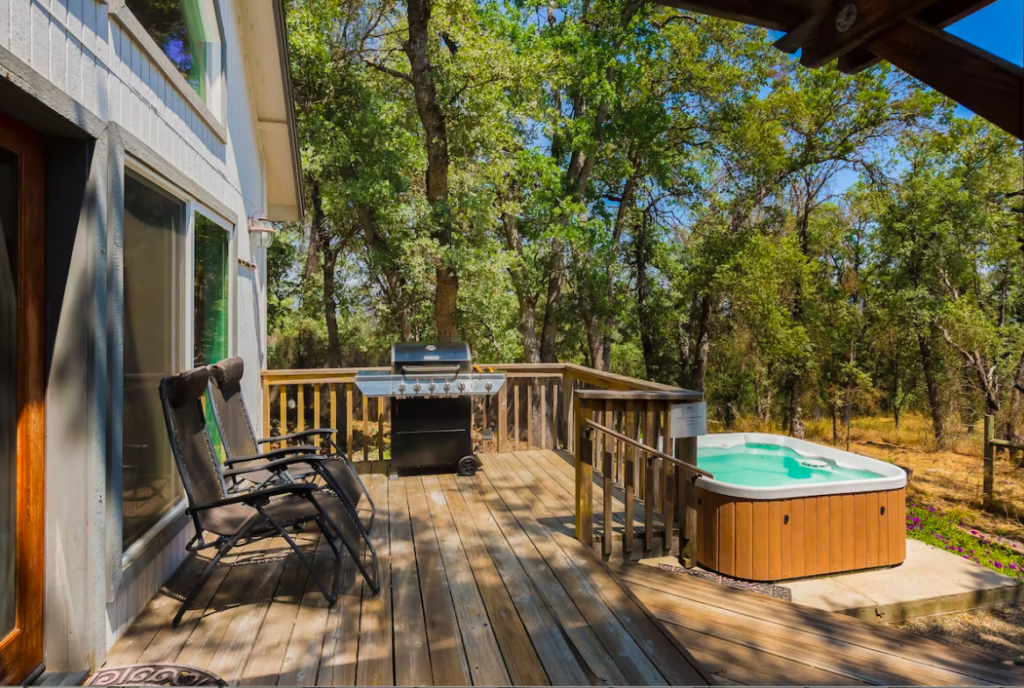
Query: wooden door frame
(22, 650)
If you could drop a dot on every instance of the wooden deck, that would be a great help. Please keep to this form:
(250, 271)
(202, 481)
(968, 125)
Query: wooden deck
(749, 639)
(743, 638)
(482, 583)
(488, 586)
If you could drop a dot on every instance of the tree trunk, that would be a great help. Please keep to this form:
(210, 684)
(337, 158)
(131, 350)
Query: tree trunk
(796, 425)
(524, 295)
(436, 133)
(640, 250)
(330, 260)
(595, 340)
(932, 386)
(1012, 432)
(556, 278)
(577, 178)
(702, 342)
(316, 231)
(381, 260)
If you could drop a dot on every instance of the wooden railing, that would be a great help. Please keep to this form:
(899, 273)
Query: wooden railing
(541, 406)
(627, 437)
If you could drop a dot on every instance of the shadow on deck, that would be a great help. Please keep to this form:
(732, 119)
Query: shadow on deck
(482, 583)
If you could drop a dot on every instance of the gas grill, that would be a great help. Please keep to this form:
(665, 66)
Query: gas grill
(431, 387)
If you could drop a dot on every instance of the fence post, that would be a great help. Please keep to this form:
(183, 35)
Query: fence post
(584, 481)
(686, 450)
(990, 451)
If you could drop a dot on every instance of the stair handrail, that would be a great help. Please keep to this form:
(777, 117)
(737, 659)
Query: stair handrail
(649, 450)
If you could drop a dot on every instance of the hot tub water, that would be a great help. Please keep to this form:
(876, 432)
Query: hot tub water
(754, 464)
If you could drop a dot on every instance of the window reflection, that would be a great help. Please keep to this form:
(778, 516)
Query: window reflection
(188, 33)
(8, 386)
(154, 250)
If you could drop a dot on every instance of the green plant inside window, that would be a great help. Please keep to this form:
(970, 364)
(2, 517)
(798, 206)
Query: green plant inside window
(210, 301)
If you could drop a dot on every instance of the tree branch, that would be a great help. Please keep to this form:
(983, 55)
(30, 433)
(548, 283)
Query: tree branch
(387, 70)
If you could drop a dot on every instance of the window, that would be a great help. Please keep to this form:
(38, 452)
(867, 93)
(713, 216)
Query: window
(210, 290)
(188, 31)
(154, 341)
(210, 303)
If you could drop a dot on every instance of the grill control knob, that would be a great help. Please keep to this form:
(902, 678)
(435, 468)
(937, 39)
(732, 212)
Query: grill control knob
(416, 387)
(462, 386)
(447, 386)
(487, 386)
(401, 387)
(431, 387)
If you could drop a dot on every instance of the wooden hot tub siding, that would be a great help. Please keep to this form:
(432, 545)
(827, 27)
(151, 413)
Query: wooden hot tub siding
(752, 539)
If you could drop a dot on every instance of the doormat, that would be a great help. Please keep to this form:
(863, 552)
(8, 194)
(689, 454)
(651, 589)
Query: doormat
(767, 589)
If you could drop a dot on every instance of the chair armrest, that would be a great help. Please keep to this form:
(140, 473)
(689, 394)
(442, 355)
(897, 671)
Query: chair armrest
(256, 497)
(297, 435)
(280, 464)
(274, 454)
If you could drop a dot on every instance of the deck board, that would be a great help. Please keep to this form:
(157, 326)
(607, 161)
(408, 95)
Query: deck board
(484, 583)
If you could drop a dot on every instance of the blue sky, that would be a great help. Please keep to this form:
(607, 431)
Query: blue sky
(999, 29)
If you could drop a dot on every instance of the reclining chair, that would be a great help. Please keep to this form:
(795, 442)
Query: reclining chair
(242, 447)
(222, 520)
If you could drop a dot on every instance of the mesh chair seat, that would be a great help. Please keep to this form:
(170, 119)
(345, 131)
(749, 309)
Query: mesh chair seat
(259, 513)
(240, 441)
(232, 519)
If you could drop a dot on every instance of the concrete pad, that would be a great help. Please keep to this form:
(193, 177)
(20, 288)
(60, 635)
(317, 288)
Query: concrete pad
(930, 581)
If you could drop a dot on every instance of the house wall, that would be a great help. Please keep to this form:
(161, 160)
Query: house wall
(82, 61)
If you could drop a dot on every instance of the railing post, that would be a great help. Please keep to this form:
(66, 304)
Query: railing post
(686, 450)
(584, 481)
(567, 409)
(265, 430)
(502, 417)
(990, 455)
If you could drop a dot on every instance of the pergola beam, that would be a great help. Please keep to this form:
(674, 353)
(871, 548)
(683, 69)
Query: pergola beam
(942, 14)
(907, 33)
(980, 81)
(827, 40)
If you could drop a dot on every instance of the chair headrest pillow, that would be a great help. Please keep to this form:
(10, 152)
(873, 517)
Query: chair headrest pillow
(185, 387)
(228, 372)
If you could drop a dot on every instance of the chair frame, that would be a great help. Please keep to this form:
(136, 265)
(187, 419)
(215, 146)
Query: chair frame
(267, 526)
(272, 456)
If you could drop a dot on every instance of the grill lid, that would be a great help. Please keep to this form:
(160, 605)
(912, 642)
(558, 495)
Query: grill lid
(419, 353)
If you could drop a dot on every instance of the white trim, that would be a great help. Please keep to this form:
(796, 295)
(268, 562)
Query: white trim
(185, 303)
(130, 24)
(140, 547)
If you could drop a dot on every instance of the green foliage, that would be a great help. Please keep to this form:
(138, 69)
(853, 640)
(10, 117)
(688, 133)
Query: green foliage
(944, 531)
(679, 189)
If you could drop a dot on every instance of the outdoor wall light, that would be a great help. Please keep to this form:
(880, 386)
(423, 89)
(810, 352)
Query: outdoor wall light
(261, 232)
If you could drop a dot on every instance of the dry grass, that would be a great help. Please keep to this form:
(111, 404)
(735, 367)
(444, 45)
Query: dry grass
(999, 629)
(949, 480)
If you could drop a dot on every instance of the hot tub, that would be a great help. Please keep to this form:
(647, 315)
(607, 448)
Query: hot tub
(781, 508)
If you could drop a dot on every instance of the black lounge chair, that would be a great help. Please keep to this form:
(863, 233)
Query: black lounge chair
(229, 519)
(242, 447)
